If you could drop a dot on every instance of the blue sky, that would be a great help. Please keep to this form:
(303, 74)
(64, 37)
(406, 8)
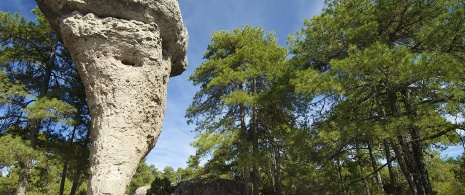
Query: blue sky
(202, 18)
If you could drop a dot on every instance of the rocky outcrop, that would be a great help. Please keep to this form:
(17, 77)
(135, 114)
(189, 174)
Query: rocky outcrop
(125, 51)
(142, 190)
(164, 13)
(209, 187)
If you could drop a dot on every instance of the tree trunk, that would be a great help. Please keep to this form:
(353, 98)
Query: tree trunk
(255, 174)
(403, 167)
(379, 181)
(63, 177)
(80, 166)
(245, 150)
(392, 186)
(76, 182)
(271, 174)
(362, 172)
(277, 171)
(409, 156)
(341, 177)
(418, 165)
(247, 186)
(256, 187)
(365, 181)
(65, 164)
(34, 128)
(23, 176)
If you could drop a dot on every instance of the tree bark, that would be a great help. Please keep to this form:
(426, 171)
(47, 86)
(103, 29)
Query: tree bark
(23, 176)
(63, 177)
(277, 169)
(80, 166)
(65, 164)
(255, 174)
(392, 187)
(245, 150)
(362, 172)
(409, 155)
(403, 167)
(76, 182)
(379, 181)
(418, 165)
(341, 177)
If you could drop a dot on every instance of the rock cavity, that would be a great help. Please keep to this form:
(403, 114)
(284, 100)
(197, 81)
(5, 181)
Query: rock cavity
(125, 51)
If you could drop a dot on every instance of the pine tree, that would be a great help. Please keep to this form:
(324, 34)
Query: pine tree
(239, 69)
(387, 72)
(142, 177)
(42, 100)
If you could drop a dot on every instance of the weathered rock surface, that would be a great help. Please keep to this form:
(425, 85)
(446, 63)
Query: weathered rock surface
(142, 190)
(209, 187)
(125, 51)
(164, 13)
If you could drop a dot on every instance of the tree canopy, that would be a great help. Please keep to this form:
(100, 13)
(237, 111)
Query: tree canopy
(43, 111)
(371, 89)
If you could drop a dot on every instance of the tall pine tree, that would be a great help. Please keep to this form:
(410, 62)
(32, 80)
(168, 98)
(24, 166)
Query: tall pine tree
(389, 72)
(42, 101)
(239, 69)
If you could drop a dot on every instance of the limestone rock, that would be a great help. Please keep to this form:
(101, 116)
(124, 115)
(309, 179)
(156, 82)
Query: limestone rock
(209, 187)
(165, 13)
(142, 190)
(125, 52)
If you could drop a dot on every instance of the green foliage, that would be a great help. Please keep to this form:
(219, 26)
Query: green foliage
(185, 174)
(14, 150)
(444, 177)
(42, 100)
(161, 186)
(10, 90)
(170, 173)
(142, 177)
(378, 72)
(237, 98)
(366, 80)
(45, 108)
(165, 181)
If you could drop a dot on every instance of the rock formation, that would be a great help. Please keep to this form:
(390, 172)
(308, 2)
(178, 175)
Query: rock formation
(142, 190)
(209, 187)
(125, 51)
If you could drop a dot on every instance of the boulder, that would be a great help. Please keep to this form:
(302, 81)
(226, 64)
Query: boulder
(142, 190)
(209, 187)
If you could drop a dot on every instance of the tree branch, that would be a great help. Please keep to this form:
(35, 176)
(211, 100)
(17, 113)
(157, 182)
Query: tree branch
(372, 173)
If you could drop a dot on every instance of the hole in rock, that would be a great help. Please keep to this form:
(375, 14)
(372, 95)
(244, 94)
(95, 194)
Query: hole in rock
(127, 62)
(130, 59)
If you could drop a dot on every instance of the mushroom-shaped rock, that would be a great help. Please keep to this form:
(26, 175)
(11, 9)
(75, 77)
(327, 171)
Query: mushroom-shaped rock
(125, 51)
